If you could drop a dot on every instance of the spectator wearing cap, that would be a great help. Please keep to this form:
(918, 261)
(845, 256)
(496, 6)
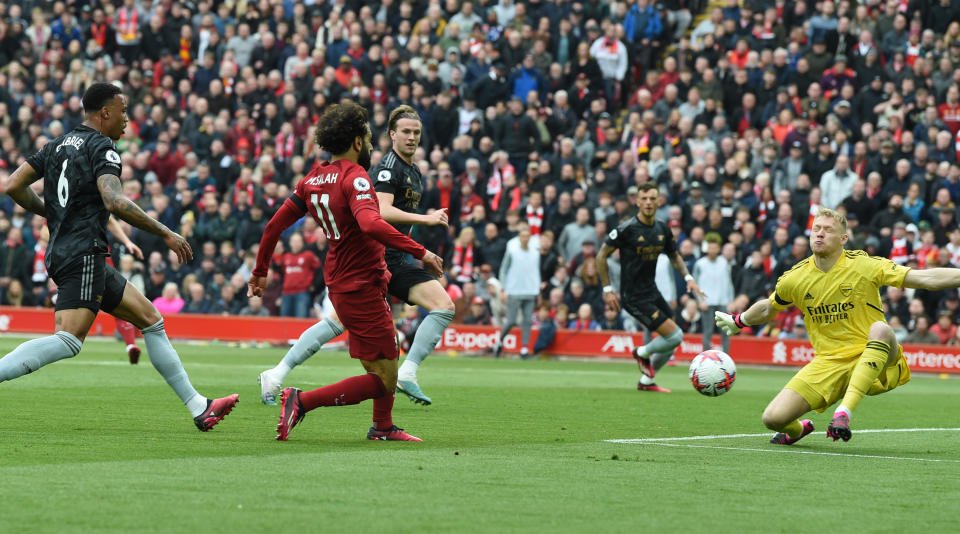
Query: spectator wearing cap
(801, 124)
(477, 313)
(492, 88)
(787, 170)
(821, 161)
(818, 58)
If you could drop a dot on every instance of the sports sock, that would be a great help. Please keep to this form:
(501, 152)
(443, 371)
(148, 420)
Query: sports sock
(793, 429)
(867, 370)
(127, 331)
(36, 353)
(307, 345)
(658, 360)
(383, 410)
(348, 391)
(165, 360)
(426, 338)
(662, 343)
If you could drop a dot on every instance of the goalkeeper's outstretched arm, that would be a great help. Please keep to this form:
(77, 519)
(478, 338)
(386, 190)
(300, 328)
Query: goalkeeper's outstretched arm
(932, 279)
(761, 312)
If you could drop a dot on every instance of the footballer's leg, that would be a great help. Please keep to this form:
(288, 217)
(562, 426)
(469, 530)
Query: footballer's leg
(80, 290)
(431, 296)
(129, 334)
(383, 428)
(782, 415)
(71, 329)
(310, 341)
(132, 306)
(513, 307)
(370, 327)
(882, 351)
(655, 313)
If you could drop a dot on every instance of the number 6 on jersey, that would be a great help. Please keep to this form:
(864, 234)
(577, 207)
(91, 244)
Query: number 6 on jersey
(63, 187)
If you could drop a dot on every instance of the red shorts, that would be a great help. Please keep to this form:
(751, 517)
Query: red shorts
(369, 322)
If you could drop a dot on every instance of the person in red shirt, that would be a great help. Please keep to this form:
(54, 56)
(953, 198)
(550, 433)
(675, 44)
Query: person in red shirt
(338, 194)
(298, 267)
(949, 111)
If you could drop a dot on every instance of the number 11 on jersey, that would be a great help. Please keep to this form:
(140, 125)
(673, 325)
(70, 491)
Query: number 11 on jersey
(327, 226)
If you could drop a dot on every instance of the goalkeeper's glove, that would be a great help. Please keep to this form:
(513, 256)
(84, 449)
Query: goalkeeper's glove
(730, 324)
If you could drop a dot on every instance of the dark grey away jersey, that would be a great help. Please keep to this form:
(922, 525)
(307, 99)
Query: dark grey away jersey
(76, 216)
(640, 245)
(395, 176)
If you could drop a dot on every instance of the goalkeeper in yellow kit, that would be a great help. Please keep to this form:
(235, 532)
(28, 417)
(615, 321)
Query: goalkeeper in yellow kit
(856, 351)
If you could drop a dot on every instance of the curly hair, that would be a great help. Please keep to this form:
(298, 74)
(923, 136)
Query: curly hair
(99, 95)
(339, 125)
(402, 112)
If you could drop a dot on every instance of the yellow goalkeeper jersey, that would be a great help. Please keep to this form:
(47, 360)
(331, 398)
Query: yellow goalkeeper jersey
(838, 305)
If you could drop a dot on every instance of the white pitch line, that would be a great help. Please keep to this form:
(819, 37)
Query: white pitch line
(796, 451)
(726, 436)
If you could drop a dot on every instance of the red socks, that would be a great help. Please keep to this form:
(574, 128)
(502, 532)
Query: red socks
(383, 411)
(127, 331)
(348, 391)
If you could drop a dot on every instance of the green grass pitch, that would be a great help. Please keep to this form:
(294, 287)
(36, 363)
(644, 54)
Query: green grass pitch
(93, 444)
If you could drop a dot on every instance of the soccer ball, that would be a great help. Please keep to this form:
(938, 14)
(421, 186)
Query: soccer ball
(712, 373)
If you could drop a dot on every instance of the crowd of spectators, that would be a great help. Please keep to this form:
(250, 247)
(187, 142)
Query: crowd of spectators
(547, 113)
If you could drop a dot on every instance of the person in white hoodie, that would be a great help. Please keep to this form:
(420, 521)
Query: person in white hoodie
(611, 56)
(520, 273)
(837, 183)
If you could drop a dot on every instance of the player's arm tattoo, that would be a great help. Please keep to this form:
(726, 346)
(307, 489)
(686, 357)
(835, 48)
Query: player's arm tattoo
(118, 204)
(21, 193)
(605, 251)
(677, 261)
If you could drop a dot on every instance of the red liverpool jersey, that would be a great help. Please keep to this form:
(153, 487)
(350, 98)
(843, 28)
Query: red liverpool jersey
(336, 194)
(340, 197)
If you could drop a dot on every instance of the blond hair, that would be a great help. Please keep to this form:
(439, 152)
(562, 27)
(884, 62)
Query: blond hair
(836, 216)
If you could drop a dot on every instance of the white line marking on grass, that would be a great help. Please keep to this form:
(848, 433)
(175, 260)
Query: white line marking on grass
(726, 436)
(670, 442)
(796, 451)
